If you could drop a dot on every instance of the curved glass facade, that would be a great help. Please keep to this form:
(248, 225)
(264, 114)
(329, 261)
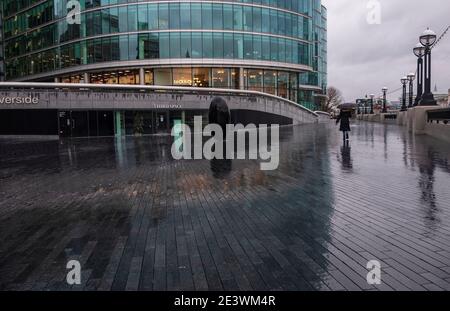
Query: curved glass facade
(40, 43)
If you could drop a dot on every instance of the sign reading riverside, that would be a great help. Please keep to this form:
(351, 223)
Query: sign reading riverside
(19, 100)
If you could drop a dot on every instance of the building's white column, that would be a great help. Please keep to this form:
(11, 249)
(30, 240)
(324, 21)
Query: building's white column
(56, 79)
(141, 76)
(86, 77)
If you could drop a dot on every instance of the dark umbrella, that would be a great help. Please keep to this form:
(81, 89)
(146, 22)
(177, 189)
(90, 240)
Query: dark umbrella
(346, 106)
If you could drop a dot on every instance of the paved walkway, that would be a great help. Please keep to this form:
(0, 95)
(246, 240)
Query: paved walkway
(136, 219)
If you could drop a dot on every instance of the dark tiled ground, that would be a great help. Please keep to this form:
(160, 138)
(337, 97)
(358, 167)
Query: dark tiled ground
(138, 220)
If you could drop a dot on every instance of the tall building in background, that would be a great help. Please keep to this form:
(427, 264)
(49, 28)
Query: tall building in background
(273, 46)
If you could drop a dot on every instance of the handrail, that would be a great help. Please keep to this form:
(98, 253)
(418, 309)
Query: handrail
(189, 89)
(322, 112)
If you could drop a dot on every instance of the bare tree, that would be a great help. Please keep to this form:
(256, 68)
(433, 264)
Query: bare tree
(334, 99)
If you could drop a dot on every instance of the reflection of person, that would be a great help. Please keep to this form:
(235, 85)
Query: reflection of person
(344, 119)
(346, 157)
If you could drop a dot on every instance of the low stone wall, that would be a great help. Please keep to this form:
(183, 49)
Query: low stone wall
(415, 120)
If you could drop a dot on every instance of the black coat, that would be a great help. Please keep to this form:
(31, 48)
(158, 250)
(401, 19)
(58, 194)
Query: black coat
(344, 118)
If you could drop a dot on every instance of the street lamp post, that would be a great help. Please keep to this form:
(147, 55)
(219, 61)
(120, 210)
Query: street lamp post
(404, 81)
(427, 39)
(384, 89)
(411, 77)
(419, 51)
(372, 96)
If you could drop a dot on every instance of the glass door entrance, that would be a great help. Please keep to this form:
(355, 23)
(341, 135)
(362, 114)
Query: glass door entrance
(85, 123)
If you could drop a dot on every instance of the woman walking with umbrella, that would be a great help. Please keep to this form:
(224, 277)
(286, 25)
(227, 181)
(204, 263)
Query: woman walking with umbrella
(344, 119)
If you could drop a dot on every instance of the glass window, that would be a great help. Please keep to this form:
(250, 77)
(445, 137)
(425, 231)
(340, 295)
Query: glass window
(283, 84)
(255, 80)
(293, 83)
(174, 16)
(238, 46)
(115, 48)
(237, 20)
(182, 76)
(98, 52)
(281, 23)
(288, 24)
(152, 16)
(273, 49)
(270, 82)
(220, 77)
(257, 48)
(163, 15)
(234, 78)
(175, 45)
(132, 18)
(217, 16)
(295, 52)
(133, 47)
(105, 22)
(163, 76)
(153, 39)
(248, 18)
(129, 77)
(142, 17)
(106, 49)
(148, 77)
(197, 45)
(265, 27)
(196, 15)
(207, 45)
(123, 42)
(123, 19)
(114, 19)
(143, 46)
(228, 45)
(273, 22)
(185, 18)
(227, 17)
(257, 15)
(248, 47)
(201, 77)
(218, 44)
(265, 48)
(206, 16)
(164, 45)
(281, 50)
(185, 45)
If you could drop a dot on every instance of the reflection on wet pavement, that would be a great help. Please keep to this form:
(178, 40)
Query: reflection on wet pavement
(137, 219)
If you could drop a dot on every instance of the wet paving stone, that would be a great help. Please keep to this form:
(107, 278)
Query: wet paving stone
(138, 220)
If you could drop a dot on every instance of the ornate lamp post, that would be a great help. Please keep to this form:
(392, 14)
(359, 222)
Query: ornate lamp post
(427, 39)
(372, 96)
(404, 81)
(419, 51)
(384, 89)
(411, 78)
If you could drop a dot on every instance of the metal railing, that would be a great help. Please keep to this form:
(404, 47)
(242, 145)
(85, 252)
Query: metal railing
(66, 87)
(439, 115)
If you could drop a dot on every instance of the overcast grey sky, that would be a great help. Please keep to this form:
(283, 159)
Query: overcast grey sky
(363, 57)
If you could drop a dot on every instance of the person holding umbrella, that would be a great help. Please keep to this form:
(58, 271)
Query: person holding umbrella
(344, 119)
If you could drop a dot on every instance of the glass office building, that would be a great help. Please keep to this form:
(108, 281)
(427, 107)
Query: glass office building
(272, 46)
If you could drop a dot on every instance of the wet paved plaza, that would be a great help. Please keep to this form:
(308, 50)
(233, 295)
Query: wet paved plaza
(138, 220)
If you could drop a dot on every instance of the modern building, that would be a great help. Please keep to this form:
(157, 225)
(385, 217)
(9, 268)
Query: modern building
(278, 47)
